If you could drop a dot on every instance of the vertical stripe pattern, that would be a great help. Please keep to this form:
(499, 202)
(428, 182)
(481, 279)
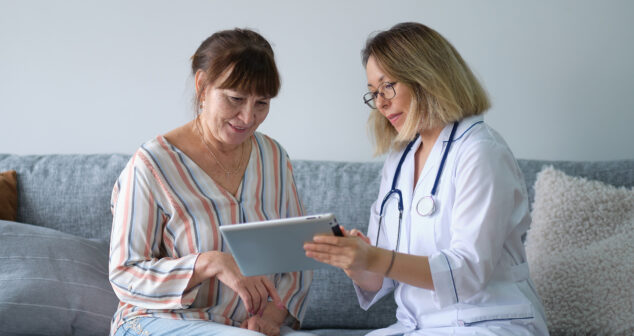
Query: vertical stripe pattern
(167, 210)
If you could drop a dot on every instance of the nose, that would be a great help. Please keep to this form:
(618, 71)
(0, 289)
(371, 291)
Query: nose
(381, 102)
(247, 114)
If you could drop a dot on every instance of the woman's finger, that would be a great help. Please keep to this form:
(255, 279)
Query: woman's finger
(332, 240)
(255, 298)
(264, 297)
(246, 299)
(338, 260)
(270, 287)
(357, 233)
(325, 258)
(324, 248)
(252, 324)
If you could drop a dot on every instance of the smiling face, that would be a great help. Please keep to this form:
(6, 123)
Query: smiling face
(228, 116)
(395, 109)
(231, 117)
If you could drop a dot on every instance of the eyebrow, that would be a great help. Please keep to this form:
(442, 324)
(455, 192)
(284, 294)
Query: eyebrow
(380, 81)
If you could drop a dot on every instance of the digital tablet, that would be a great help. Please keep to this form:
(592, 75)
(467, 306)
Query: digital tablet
(277, 246)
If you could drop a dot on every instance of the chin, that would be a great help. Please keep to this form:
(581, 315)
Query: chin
(235, 138)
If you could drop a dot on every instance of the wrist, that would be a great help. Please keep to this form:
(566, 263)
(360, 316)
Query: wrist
(211, 263)
(379, 260)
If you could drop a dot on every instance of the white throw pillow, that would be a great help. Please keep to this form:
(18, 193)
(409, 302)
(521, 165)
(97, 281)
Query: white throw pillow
(581, 252)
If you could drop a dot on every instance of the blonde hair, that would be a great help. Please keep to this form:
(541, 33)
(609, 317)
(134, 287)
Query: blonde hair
(444, 89)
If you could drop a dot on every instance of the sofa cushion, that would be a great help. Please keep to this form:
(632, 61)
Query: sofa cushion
(8, 195)
(52, 283)
(580, 249)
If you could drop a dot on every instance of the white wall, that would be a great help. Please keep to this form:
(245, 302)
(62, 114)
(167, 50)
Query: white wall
(104, 76)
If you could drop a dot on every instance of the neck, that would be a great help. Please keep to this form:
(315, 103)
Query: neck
(429, 136)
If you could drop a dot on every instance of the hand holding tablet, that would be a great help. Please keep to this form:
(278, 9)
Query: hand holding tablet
(276, 246)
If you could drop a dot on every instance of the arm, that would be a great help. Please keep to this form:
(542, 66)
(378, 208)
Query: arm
(138, 276)
(367, 265)
(254, 291)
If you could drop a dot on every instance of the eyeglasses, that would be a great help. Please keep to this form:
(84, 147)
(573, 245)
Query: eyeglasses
(386, 90)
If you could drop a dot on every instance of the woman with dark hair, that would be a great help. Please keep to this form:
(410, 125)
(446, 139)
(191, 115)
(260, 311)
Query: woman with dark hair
(168, 264)
(445, 233)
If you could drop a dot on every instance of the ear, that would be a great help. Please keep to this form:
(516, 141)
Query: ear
(199, 80)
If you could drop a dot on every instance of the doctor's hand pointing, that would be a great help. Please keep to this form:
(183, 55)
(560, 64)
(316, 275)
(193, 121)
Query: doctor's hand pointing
(367, 265)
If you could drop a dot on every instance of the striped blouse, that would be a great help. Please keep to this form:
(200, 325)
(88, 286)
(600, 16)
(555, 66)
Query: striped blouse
(167, 210)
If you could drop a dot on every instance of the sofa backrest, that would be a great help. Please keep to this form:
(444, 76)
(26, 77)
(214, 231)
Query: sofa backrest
(71, 193)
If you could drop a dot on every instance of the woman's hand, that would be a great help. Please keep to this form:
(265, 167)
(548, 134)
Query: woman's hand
(261, 324)
(254, 291)
(352, 252)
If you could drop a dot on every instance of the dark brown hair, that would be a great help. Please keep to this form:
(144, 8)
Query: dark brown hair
(248, 55)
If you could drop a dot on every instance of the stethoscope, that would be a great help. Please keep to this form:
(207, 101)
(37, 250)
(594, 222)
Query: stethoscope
(426, 206)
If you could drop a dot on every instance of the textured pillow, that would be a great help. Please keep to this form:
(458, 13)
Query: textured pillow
(581, 252)
(8, 195)
(52, 283)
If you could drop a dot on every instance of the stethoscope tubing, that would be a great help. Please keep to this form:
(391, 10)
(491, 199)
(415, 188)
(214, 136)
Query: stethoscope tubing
(398, 193)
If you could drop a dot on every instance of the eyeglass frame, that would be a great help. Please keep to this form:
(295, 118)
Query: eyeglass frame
(371, 102)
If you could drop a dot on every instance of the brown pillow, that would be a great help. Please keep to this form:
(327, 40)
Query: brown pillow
(8, 195)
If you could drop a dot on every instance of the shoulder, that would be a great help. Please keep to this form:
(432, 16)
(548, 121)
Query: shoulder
(482, 141)
(269, 147)
(483, 152)
(151, 156)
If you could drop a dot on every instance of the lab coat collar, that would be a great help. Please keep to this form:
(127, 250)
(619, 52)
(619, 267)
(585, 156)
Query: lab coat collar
(465, 125)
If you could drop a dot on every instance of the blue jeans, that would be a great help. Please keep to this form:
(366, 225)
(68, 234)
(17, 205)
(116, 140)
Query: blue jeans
(151, 326)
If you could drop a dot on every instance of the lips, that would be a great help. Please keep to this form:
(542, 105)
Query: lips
(394, 117)
(239, 129)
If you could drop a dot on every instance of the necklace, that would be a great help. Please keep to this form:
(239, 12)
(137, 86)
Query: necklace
(204, 141)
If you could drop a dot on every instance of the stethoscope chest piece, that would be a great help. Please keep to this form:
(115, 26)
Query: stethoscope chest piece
(426, 206)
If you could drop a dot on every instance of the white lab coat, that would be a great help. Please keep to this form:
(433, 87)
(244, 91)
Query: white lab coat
(473, 240)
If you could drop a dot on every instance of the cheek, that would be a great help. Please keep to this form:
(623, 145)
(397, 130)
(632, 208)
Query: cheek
(224, 110)
(403, 104)
(261, 115)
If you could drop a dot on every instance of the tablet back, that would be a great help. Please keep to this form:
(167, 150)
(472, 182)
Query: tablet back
(276, 246)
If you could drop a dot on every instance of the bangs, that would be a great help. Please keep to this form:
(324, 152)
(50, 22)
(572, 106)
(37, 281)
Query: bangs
(255, 73)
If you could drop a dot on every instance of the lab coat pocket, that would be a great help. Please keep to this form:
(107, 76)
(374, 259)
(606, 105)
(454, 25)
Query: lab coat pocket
(502, 301)
(498, 313)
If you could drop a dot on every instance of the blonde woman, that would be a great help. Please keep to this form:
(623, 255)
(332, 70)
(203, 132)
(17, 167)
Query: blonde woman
(445, 233)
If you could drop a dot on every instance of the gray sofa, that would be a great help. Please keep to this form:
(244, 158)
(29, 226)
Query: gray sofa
(71, 194)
